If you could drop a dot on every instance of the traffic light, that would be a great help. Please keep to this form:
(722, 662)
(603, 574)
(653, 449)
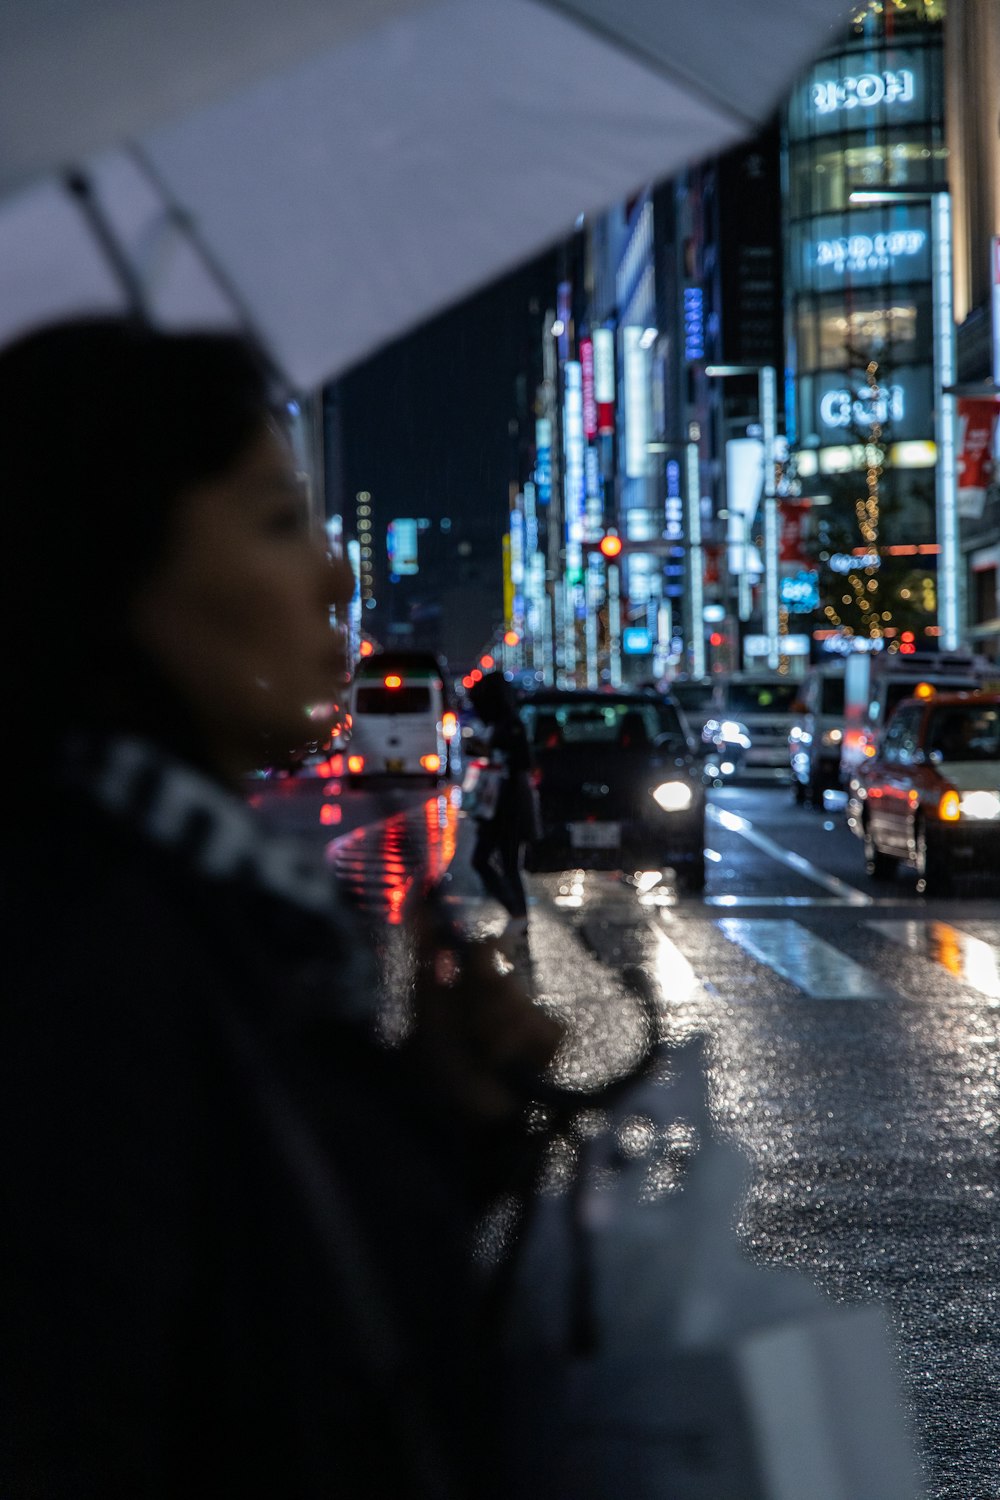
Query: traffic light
(610, 545)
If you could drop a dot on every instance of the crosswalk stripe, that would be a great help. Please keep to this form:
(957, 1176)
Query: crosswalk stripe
(817, 968)
(964, 957)
(736, 824)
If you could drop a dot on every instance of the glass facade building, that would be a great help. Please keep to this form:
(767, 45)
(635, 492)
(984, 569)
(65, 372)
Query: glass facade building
(869, 116)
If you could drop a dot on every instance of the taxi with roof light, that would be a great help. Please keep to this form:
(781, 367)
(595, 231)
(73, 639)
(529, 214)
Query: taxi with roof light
(930, 796)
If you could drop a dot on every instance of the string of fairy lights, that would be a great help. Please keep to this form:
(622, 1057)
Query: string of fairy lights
(864, 580)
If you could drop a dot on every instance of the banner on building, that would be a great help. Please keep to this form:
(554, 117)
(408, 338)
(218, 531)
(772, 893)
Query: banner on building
(977, 438)
(793, 517)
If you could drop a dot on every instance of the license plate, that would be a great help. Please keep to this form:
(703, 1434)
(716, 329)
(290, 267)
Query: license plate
(595, 835)
(394, 765)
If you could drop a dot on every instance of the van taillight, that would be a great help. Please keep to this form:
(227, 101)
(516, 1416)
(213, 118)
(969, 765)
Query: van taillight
(355, 764)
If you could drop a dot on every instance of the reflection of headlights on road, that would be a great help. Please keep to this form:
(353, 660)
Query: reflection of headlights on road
(800, 761)
(832, 736)
(980, 805)
(731, 733)
(673, 796)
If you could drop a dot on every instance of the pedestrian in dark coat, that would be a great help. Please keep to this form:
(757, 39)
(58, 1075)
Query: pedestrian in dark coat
(234, 1229)
(500, 838)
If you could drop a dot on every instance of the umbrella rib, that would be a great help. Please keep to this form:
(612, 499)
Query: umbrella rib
(693, 86)
(184, 223)
(80, 187)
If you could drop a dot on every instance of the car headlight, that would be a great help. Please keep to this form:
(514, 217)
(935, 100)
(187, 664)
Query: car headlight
(673, 796)
(832, 736)
(980, 805)
(732, 733)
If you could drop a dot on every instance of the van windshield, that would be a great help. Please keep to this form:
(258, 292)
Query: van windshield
(761, 697)
(401, 700)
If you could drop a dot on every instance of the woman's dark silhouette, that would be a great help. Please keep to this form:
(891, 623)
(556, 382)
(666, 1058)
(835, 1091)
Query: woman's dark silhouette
(496, 857)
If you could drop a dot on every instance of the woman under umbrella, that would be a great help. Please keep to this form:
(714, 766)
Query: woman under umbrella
(235, 1230)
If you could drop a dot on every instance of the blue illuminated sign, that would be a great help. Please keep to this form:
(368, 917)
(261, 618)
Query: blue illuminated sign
(800, 593)
(866, 247)
(543, 460)
(694, 323)
(636, 639)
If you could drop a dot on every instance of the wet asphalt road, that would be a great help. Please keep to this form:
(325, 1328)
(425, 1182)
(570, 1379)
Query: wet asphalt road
(853, 1034)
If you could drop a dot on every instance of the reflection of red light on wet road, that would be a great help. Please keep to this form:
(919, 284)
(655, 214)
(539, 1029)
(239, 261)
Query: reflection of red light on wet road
(396, 895)
(379, 865)
(441, 830)
(330, 812)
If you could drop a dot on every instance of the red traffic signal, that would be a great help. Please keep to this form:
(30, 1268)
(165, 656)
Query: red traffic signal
(610, 544)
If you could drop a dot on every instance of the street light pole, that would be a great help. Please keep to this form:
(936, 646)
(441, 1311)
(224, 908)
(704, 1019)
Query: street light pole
(767, 405)
(766, 387)
(696, 562)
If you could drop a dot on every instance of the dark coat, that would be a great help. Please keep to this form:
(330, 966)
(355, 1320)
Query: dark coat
(234, 1230)
(509, 748)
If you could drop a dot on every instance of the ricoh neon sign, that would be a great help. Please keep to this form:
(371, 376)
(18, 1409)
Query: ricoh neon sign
(868, 252)
(864, 91)
(844, 407)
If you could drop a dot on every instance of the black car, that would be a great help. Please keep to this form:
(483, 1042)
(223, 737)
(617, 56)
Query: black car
(620, 784)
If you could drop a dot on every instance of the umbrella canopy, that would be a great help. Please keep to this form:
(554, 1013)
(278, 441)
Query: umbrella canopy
(328, 173)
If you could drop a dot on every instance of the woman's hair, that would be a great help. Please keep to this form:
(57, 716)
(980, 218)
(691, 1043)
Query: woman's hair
(492, 698)
(104, 424)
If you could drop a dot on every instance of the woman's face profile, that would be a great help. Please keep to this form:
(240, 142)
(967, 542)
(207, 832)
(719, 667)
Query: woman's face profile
(237, 614)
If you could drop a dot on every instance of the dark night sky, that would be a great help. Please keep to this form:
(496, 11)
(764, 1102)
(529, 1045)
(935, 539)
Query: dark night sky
(425, 429)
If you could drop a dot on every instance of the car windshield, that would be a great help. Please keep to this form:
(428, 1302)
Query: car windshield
(761, 697)
(628, 722)
(897, 691)
(965, 732)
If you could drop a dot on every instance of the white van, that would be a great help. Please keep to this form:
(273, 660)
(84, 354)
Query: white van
(402, 722)
(754, 711)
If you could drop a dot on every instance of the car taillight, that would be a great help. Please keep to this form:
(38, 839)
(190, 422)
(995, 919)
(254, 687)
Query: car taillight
(949, 808)
(355, 764)
(431, 762)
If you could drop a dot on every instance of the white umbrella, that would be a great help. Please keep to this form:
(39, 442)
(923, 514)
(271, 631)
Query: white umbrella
(329, 173)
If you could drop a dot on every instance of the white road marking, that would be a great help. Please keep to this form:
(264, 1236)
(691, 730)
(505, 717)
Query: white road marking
(817, 968)
(964, 957)
(846, 894)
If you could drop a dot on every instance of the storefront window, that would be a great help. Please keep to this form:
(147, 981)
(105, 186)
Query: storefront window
(823, 178)
(834, 337)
